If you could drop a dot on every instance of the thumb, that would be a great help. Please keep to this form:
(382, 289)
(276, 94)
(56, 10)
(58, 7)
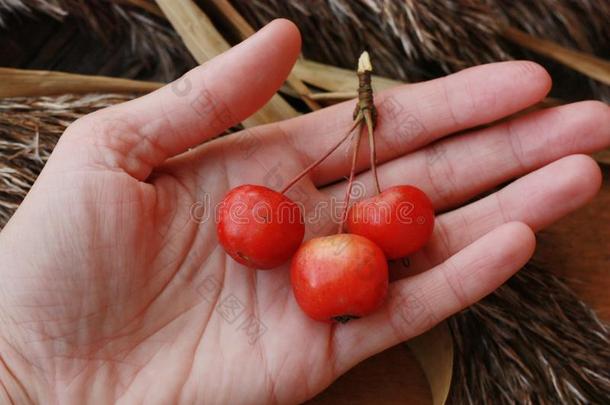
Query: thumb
(140, 134)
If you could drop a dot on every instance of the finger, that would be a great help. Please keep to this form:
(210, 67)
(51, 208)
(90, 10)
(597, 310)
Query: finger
(538, 200)
(143, 133)
(414, 115)
(456, 169)
(416, 304)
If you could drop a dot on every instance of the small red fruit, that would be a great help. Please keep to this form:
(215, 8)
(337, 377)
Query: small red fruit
(258, 227)
(400, 220)
(339, 277)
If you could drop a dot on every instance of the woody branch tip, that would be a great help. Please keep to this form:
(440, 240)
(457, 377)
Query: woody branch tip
(364, 63)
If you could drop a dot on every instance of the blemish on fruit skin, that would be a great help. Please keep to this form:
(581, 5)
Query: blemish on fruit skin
(243, 256)
(247, 261)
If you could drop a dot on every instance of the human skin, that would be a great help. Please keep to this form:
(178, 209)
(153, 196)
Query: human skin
(112, 290)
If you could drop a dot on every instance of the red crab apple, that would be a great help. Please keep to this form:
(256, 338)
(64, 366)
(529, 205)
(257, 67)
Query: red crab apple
(399, 220)
(339, 277)
(258, 227)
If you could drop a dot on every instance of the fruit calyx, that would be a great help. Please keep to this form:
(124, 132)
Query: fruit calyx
(344, 318)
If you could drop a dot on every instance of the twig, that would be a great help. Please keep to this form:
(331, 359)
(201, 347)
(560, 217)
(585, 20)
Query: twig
(366, 108)
(332, 78)
(365, 112)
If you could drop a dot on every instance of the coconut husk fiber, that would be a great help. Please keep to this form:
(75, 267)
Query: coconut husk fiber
(419, 40)
(532, 341)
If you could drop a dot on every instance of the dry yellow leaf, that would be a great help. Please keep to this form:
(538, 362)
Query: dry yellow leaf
(434, 353)
(205, 42)
(582, 62)
(23, 83)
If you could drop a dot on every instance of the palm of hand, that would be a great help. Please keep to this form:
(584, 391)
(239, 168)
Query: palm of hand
(128, 285)
(144, 293)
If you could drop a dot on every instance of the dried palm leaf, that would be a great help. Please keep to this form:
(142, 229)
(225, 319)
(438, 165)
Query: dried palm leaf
(21, 83)
(582, 62)
(244, 30)
(204, 41)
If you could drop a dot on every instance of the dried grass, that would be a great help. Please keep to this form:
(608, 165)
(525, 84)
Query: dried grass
(29, 129)
(418, 40)
(122, 25)
(531, 342)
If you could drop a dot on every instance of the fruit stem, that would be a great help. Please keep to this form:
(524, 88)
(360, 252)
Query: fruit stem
(369, 124)
(366, 107)
(320, 160)
(350, 182)
(366, 112)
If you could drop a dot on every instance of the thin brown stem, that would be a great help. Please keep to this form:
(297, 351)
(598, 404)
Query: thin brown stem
(350, 182)
(369, 125)
(315, 164)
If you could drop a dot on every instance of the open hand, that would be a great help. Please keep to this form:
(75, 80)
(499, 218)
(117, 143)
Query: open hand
(113, 287)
